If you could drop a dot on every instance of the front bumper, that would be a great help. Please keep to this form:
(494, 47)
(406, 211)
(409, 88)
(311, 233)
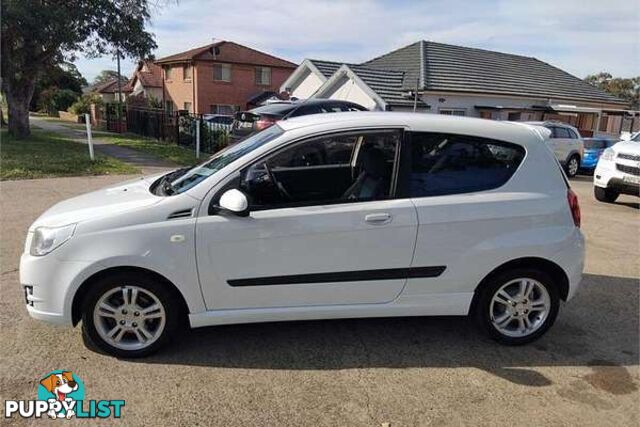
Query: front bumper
(49, 285)
(607, 175)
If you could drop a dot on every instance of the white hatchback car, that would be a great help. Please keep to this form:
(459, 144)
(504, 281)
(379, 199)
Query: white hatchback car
(330, 216)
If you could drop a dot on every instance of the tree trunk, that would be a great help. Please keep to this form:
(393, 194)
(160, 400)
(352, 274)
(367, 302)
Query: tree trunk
(18, 99)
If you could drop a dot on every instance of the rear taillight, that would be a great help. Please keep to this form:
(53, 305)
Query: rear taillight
(574, 206)
(264, 123)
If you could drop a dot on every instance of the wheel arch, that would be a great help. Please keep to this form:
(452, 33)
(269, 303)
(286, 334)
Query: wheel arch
(573, 153)
(556, 272)
(85, 287)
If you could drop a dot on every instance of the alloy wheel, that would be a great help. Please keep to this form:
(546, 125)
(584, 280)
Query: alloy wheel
(520, 307)
(129, 317)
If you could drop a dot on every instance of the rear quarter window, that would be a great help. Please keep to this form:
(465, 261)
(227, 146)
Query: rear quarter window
(442, 164)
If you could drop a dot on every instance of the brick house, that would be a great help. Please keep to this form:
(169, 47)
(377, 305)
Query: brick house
(222, 77)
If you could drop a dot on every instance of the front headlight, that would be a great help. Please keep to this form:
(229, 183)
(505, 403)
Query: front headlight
(46, 239)
(608, 154)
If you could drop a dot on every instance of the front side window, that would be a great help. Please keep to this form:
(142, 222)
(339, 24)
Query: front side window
(263, 76)
(452, 164)
(338, 168)
(222, 72)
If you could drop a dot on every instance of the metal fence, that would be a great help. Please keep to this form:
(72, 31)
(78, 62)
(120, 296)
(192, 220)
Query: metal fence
(179, 127)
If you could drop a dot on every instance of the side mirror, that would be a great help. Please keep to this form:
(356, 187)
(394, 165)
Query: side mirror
(234, 201)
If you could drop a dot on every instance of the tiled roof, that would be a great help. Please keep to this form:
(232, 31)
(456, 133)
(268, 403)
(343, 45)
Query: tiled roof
(387, 84)
(111, 86)
(443, 67)
(230, 52)
(327, 68)
(152, 77)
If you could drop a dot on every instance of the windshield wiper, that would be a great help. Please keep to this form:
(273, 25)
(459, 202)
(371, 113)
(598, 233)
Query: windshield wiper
(165, 182)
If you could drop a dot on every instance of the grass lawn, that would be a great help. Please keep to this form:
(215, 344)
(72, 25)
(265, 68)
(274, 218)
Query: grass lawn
(46, 154)
(171, 152)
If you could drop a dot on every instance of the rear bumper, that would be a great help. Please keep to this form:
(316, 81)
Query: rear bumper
(571, 259)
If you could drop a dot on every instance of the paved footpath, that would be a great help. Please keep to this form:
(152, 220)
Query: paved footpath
(147, 163)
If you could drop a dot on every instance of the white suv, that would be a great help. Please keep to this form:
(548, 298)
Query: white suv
(618, 171)
(566, 143)
(329, 216)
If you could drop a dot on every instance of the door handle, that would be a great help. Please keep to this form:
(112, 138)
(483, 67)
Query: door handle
(378, 218)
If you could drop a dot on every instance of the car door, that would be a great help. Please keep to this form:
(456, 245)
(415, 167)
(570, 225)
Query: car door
(317, 247)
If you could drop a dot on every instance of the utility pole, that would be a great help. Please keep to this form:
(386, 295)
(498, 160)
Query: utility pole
(119, 85)
(415, 96)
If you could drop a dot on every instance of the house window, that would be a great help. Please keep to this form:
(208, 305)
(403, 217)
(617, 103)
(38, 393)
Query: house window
(263, 76)
(186, 72)
(227, 110)
(168, 106)
(222, 72)
(187, 106)
(168, 73)
(452, 111)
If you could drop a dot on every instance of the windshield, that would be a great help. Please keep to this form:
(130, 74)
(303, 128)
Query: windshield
(636, 138)
(192, 177)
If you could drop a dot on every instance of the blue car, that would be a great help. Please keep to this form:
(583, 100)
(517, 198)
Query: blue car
(593, 148)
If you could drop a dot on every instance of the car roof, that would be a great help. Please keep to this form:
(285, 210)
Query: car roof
(423, 122)
(550, 123)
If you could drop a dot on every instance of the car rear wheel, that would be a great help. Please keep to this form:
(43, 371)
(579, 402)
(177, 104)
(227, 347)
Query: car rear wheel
(129, 315)
(606, 195)
(518, 306)
(573, 165)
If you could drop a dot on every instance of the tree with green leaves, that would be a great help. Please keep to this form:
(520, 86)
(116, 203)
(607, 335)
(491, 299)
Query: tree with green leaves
(627, 89)
(65, 78)
(106, 76)
(38, 34)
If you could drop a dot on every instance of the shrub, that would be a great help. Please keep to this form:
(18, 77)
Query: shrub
(83, 104)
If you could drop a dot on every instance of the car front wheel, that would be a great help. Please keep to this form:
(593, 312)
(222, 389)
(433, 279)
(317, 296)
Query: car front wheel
(605, 194)
(128, 315)
(517, 307)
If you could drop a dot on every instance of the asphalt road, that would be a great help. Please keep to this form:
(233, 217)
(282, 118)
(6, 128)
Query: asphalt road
(410, 371)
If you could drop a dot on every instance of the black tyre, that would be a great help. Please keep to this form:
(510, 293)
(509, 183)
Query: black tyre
(606, 195)
(518, 306)
(572, 166)
(130, 315)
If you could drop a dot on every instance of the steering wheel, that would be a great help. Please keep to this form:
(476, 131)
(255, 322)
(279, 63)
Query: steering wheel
(283, 191)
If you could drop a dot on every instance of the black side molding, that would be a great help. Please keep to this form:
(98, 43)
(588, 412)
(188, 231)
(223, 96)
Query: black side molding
(342, 276)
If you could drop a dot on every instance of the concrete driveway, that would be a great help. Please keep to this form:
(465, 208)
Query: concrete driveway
(412, 371)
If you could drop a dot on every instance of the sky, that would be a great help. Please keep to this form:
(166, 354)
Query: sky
(580, 36)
